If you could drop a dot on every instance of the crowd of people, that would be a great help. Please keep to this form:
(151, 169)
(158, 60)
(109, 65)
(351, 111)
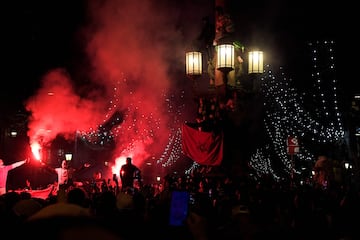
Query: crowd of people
(219, 206)
(223, 207)
(211, 112)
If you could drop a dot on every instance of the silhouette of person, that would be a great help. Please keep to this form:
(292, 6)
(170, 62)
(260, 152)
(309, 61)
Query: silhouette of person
(27, 185)
(206, 37)
(128, 173)
(224, 26)
(4, 170)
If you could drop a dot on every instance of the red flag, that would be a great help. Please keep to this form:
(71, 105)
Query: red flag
(205, 148)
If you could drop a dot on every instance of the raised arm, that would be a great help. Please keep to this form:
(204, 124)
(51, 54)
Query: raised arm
(18, 164)
(48, 168)
(84, 166)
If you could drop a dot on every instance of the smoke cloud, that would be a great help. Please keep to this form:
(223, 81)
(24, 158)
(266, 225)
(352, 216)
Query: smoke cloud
(134, 51)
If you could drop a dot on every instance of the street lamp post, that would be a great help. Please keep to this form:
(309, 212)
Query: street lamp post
(68, 156)
(227, 72)
(194, 67)
(255, 67)
(346, 165)
(226, 63)
(348, 173)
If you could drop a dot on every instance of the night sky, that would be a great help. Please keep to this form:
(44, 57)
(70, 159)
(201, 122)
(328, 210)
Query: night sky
(37, 36)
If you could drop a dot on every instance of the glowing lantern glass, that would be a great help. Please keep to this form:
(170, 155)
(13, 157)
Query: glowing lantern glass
(68, 156)
(193, 63)
(256, 62)
(225, 57)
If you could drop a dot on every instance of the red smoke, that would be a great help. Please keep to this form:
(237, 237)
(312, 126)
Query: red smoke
(131, 49)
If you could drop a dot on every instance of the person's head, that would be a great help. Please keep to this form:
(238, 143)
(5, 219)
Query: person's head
(98, 175)
(128, 160)
(64, 164)
(219, 10)
(1, 162)
(77, 196)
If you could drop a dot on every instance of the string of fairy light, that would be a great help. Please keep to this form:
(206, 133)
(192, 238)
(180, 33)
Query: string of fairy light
(116, 124)
(173, 149)
(286, 116)
(100, 136)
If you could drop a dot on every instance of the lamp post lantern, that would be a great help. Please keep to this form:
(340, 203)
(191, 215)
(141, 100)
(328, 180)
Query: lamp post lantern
(194, 67)
(68, 156)
(256, 62)
(193, 63)
(225, 57)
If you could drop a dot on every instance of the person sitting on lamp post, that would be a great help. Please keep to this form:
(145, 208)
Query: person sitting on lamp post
(224, 26)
